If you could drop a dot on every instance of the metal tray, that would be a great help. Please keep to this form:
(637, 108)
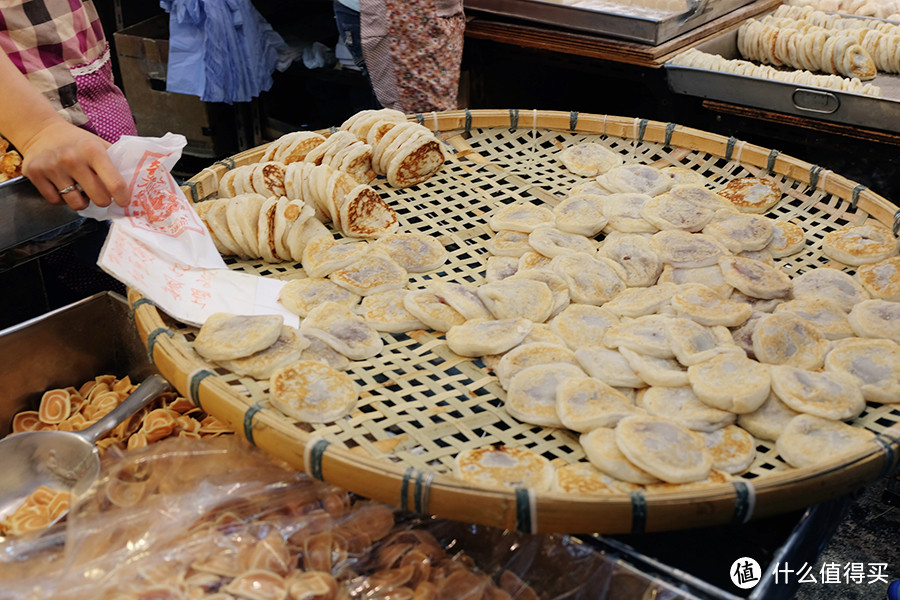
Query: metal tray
(68, 346)
(640, 25)
(816, 103)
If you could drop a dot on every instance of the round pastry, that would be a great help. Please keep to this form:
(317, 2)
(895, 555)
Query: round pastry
(585, 403)
(859, 244)
(751, 194)
(827, 394)
(224, 336)
(589, 159)
(604, 454)
(880, 279)
(785, 338)
(733, 449)
(504, 467)
(312, 392)
(664, 449)
(809, 440)
(731, 382)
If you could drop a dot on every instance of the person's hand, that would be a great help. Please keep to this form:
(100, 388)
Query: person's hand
(70, 165)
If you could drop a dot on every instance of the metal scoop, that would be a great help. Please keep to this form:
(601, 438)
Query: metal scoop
(63, 460)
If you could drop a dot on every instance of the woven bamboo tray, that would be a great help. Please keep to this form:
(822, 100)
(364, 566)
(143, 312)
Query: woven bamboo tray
(421, 404)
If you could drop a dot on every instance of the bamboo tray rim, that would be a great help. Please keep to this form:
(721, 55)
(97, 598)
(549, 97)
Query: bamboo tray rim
(441, 495)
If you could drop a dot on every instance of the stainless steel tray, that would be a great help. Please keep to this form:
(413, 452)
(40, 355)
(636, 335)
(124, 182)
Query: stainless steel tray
(646, 26)
(68, 346)
(816, 103)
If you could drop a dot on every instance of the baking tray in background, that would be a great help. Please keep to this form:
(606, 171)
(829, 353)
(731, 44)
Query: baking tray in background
(816, 103)
(653, 28)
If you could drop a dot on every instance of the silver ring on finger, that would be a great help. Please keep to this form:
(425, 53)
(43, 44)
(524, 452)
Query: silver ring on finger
(69, 188)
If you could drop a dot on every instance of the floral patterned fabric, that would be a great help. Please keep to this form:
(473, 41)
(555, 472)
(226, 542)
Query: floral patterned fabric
(413, 50)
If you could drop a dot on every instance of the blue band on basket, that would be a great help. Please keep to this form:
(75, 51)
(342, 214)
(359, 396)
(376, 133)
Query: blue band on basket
(194, 380)
(854, 196)
(315, 453)
(770, 166)
(670, 129)
(227, 162)
(137, 304)
(573, 120)
(513, 119)
(638, 512)
(642, 128)
(195, 197)
(468, 120)
(744, 502)
(140, 302)
(420, 118)
(525, 510)
(814, 176)
(151, 338)
(248, 421)
(729, 147)
(422, 491)
(889, 444)
(404, 488)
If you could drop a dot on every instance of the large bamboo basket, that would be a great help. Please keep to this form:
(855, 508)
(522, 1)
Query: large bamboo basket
(421, 404)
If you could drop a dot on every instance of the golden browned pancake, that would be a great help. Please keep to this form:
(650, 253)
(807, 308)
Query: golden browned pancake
(366, 214)
(752, 194)
(732, 449)
(860, 244)
(585, 478)
(312, 392)
(504, 467)
(415, 162)
(881, 279)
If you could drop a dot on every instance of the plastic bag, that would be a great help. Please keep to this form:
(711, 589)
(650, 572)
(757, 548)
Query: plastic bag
(216, 518)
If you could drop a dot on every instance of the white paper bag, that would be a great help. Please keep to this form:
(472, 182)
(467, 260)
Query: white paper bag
(159, 214)
(158, 245)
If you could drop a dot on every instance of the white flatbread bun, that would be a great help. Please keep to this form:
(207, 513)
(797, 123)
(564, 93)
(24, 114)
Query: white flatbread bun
(664, 449)
(225, 336)
(809, 440)
(287, 349)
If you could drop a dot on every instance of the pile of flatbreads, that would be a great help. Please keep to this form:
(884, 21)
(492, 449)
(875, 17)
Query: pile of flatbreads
(298, 365)
(276, 228)
(673, 343)
(644, 312)
(804, 38)
(880, 9)
(715, 62)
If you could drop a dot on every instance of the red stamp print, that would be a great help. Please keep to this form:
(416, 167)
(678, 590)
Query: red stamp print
(156, 204)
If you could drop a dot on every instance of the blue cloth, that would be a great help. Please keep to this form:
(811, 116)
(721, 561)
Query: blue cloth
(220, 50)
